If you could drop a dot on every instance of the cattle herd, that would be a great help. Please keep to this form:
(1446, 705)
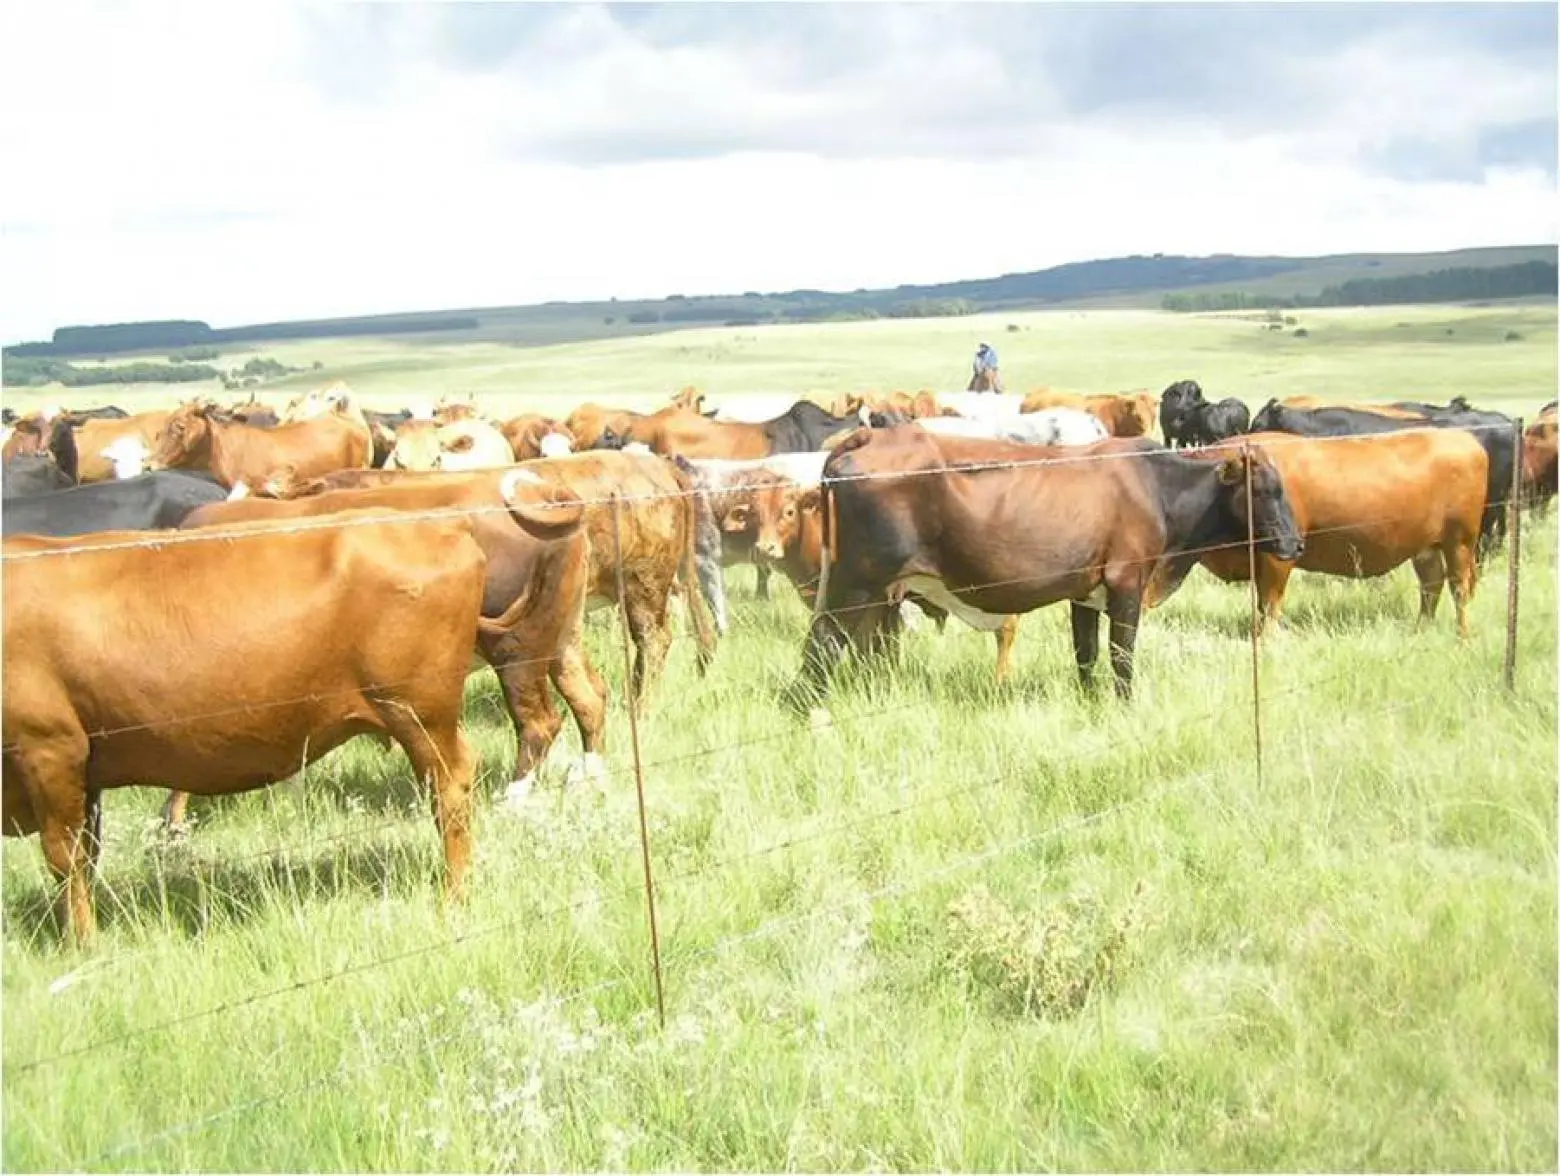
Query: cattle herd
(197, 599)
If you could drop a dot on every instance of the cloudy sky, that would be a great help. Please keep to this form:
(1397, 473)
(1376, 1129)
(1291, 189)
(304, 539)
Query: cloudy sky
(255, 162)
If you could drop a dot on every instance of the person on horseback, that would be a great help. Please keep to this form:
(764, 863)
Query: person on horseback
(985, 377)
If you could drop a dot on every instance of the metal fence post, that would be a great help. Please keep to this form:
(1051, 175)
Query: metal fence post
(639, 771)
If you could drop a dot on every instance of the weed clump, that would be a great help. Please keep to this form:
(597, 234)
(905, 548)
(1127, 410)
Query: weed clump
(1043, 963)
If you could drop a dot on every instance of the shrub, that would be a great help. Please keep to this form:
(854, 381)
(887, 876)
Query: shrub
(1513, 336)
(1042, 963)
(1014, 327)
(1302, 333)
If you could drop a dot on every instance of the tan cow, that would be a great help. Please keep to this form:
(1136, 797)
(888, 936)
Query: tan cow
(199, 437)
(532, 435)
(465, 444)
(100, 441)
(1364, 506)
(219, 667)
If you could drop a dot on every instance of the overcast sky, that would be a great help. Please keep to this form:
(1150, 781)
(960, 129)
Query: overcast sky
(243, 163)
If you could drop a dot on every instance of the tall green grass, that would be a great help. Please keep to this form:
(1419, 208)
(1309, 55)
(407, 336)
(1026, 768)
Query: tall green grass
(1346, 962)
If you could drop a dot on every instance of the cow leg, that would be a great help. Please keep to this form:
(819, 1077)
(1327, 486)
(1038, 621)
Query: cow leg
(761, 590)
(1430, 567)
(1272, 579)
(524, 682)
(821, 652)
(1462, 571)
(173, 812)
(440, 755)
(651, 634)
(53, 773)
(1006, 636)
(1086, 642)
(585, 692)
(1124, 609)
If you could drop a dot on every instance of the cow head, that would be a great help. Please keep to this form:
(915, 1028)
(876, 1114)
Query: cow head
(690, 398)
(128, 455)
(184, 442)
(778, 508)
(1270, 419)
(1272, 518)
(416, 447)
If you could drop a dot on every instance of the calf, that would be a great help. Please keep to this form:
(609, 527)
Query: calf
(220, 667)
(984, 531)
(747, 505)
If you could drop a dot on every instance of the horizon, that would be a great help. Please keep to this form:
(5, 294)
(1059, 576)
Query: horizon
(359, 161)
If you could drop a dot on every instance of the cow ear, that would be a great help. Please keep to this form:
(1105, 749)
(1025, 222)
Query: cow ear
(1232, 471)
(737, 518)
(461, 444)
(810, 499)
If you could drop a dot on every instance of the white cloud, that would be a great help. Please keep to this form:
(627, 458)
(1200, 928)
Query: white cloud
(246, 164)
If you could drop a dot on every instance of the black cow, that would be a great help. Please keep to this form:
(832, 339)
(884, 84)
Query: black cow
(1455, 404)
(109, 412)
(148, 502)
(28, 474)
(1208, 424)
(803, 427)
(1495, 431)
(1175, 406)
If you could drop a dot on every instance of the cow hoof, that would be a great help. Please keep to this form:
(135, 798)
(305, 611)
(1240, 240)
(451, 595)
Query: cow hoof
(819, 719)
(519, 791)
(590, 770)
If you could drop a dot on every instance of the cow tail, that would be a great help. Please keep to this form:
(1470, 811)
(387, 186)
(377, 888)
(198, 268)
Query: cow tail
(698, 611)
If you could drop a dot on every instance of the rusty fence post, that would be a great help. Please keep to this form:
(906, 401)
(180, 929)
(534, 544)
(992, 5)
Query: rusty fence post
(1256, 612)
(1514, 559)
(639, 770)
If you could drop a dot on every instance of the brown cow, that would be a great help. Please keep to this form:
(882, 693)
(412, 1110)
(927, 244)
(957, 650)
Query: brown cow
(589, 423)
(659, 523)
(50, 437)
(1540, 471)
(218, 667)
(538, 570)
(196, 437)
(1031, 527)
(1366, 505)
(690, 398)
(532, 435)
(95, 435)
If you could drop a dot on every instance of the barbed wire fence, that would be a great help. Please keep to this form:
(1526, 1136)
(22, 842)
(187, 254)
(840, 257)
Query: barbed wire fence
(652, 969)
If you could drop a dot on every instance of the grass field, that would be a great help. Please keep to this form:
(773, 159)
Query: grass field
(966, 927)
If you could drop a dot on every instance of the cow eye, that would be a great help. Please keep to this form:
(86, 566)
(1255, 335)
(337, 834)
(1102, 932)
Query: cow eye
(790, 512)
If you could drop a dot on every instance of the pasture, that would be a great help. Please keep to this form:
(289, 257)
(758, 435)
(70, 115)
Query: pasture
(968, 926)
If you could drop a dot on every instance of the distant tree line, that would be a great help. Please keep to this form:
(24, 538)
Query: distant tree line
(191, 333)
(1447, 285)
(23, 371)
